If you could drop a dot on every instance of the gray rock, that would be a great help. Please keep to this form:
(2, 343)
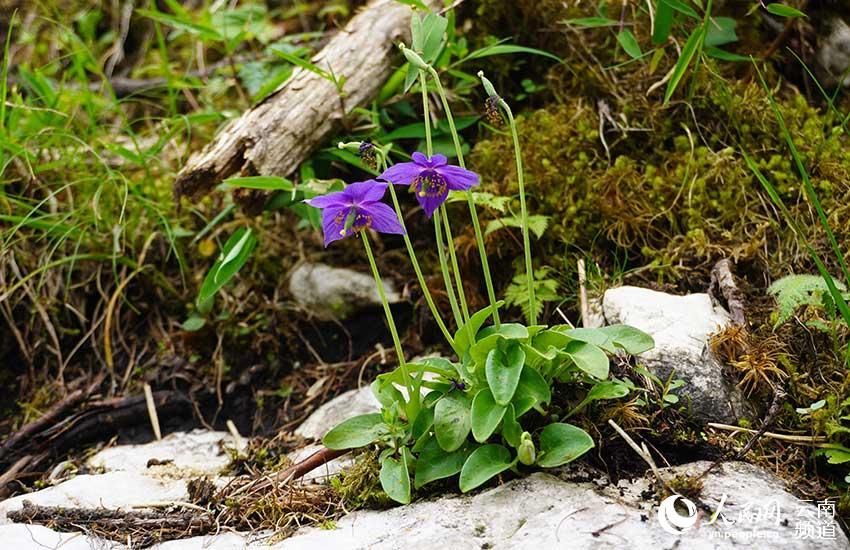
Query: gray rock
(543, 511)
(334, 292)
(681, 326)
(833, 53)
(342, 407)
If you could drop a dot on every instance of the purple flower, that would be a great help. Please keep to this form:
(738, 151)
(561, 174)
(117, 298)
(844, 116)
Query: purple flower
(431, 179)
(355, 208)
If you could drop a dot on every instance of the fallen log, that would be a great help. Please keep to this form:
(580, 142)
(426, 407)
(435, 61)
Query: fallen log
(275, 136)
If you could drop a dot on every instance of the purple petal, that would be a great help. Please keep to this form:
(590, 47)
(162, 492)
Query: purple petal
(457, 178)
(337, 199)
(402, 173)
(430, 203)
(333, 223)
(365, 191)
(420, 158)
(384, 219)
(438, 160)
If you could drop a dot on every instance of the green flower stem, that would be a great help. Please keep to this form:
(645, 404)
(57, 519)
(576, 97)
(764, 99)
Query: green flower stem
(379, 283)
(444, 267)
(526, 241)
(429, 150)
(476, 225)
(410, 252)
(453, 257)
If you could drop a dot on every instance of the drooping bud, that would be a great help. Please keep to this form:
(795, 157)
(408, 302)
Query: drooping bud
(488, 86)
(413, 58)
(350, 146)
(526, 453)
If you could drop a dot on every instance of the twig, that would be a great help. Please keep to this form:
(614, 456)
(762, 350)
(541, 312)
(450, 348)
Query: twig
(723, 283)
(642, 452)
(152, 411)
(582, 292)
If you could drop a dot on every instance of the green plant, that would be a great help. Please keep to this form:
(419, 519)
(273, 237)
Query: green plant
(485, 412)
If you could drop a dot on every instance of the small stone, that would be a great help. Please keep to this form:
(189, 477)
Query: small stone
(334, 292)
(342, 407)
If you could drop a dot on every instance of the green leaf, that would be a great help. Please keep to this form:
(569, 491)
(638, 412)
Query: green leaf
(782, 10)
(194, 323)
(589, 358)
(386, 393)
(423, 423)
(355, 432)
(434, 463)
(723, 55)
(795, 291)
(510, 331)
(607, 389)
(484, 463)
(537, 224)
(451, 421)
(203, 31)
(503, 370)
(272, 183)
(486, 415)
(663, 23)
(234, 255)
(721, 30)
(561, 443)
(504, 49)
(395, 479)
(461, 339)
(689, 51)
(592, 22)
(614, 337)
(682, 7)
(531, 390)
(511, 429)
(428, 35)
(629, 43)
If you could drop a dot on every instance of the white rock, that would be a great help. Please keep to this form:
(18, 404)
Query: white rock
(342, 407)
(680, 326)
(543, 511)
(16, 536)
(195, 453)
(111, 490)
(334, 292)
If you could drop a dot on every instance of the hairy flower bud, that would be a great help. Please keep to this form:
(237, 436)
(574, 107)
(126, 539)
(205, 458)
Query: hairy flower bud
(368, 154)
(526, 452)
(413, 58)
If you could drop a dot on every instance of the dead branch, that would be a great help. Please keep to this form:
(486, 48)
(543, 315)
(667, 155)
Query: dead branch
(723, 284)
(276, 135)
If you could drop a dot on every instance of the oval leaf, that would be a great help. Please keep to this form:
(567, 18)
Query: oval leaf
(355, 432)
(451, 421)
(561, 443)
(486, 415)
(503, 370)
(484, 463)
(395, 480)
(629, 43)
(434, 463)
(589, 358)
(784, 11)
(531, 390)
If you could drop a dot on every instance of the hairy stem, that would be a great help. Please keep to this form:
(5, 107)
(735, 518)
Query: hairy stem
(526, 241)
(476, 225)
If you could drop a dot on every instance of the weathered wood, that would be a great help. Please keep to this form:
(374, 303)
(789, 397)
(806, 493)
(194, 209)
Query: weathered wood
(275, 136)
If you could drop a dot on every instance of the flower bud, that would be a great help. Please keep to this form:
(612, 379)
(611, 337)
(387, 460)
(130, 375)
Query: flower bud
(350, 146)
(488, 86)
(413, 58)
(526, 451)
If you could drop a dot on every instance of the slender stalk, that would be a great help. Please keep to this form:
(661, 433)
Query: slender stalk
(453, 257)
(444, 267)
(410, 252)
(379, 283)
(476, 225)
(526, 241)
(429, 150)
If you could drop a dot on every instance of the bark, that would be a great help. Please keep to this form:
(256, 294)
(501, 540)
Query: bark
(275, 136)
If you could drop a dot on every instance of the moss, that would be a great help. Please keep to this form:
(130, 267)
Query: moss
(360, 485)
(676, 193)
